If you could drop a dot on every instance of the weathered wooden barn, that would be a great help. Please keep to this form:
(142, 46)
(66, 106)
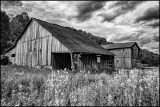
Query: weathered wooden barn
(127, 54)
(57, 47)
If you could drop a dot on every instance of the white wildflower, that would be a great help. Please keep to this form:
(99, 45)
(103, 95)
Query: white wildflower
(128, 81)
(58, 71)
(109, 98)
(20, 86)
(57, 101)
(122, 84)
(140, 88)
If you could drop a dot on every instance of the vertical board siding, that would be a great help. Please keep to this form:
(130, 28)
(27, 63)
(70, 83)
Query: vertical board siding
(135, 51)
(37, 49)
(9, 54)
(40, 52)
(49, 49)
(43, 45)
(57, 46)
(35, 46)
(46, 50)
(123, 58)
(135, 55)
(89, 60)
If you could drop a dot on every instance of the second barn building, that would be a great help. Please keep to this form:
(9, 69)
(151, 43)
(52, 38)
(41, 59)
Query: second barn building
(127, 54)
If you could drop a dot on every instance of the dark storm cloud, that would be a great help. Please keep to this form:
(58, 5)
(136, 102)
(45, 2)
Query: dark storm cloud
(85, 10)
(123, 7)
(150, 14)
(11, 3)
(110, 17)
(153, 24)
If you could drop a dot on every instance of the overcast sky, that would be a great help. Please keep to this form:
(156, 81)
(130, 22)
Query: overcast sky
(117, 21)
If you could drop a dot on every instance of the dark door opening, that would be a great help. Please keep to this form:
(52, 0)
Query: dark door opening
(61, 60)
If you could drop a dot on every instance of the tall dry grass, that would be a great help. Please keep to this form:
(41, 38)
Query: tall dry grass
(60, 88)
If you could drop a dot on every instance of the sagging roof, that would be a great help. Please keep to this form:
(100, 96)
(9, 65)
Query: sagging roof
(119, 45)
(72, 39)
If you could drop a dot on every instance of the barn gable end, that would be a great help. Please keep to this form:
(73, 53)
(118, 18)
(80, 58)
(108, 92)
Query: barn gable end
(35, 46)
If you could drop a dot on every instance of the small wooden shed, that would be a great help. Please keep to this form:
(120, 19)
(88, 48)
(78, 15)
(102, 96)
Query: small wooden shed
(54, 46)
(127, 54)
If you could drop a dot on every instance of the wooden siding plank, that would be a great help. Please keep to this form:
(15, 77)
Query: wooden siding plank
(29, 59)
(43, 51)
(49, 49)
(40, 52)
(46, 50)
(38, 45)
(33, 59)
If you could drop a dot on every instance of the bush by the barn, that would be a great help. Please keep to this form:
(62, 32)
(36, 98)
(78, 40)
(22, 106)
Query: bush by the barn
(4, 60)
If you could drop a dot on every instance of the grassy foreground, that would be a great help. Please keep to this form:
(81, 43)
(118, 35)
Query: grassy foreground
(22, 86)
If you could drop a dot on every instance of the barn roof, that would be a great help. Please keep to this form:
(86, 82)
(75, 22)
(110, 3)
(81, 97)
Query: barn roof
(119, 45)
(72, 39)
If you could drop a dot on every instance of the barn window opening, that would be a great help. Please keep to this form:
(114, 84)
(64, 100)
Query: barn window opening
(13, 55)
(61, 61)
(98, 58)
(117, 63)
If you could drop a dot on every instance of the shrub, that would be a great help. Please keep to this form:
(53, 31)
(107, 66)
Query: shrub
(4, 60)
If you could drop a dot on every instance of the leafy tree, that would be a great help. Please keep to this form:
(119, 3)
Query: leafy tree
(5, 32)
(17, 24)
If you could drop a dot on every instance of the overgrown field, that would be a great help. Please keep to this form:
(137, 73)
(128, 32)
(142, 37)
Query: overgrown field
(30, 87)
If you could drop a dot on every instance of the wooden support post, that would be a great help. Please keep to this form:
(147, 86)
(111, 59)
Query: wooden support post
(123, 60)
(72, 62)
(78, 62)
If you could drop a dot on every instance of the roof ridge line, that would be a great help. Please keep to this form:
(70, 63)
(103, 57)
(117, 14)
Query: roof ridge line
(48, 22)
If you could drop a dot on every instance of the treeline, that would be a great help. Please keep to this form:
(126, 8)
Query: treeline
(12, 26)
(149, 58)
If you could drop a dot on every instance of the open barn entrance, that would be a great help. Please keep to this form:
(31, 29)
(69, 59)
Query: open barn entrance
(61, 60)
